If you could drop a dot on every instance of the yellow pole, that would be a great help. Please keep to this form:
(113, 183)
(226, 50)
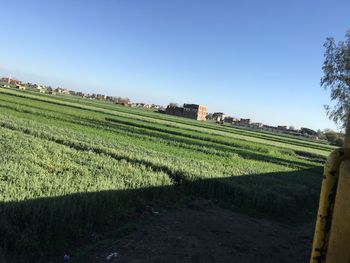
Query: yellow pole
(347, 135)
(339, 240)
(332, 232)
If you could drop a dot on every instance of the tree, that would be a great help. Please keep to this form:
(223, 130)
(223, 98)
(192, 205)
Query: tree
(339, 142)
(173, 104)
(308, 131)
(334, 138)
(209, 116)
(331, 136)
(321, 135)
(336, 69)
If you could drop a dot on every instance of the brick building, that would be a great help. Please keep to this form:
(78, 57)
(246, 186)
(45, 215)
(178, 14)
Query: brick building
(11, 81)
(191, 111)
(174, 110)
(245, 122)
(231, 120)
(194, 111)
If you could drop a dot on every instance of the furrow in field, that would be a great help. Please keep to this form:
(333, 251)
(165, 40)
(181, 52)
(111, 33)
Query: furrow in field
(174, 138)
(176, 176)
(315, 148)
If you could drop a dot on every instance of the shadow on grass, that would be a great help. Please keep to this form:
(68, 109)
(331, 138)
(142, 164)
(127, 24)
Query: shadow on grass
(38, 229)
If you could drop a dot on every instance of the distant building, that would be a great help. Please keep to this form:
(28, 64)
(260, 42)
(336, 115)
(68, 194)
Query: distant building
(192, 111)
(62, 91)
(83, 95)
(21, 87)
(139, 104)
(39, 88)
(257, 125)
(11, 81)
(123, 102)
(161, 110)
(174, 110)
(142, 105)
(99, 96)
(282, 127)
(269, 128)
(245, 122)
(50, 90)
(31, 85)
(228, 119)
(219, 116)
(5, 80)
(231, 120)
(155, 106)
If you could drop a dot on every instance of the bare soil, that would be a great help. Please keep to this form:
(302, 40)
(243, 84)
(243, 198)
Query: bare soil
(203, 232)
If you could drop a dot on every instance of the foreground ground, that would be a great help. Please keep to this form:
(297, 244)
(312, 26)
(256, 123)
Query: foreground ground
(203, 232)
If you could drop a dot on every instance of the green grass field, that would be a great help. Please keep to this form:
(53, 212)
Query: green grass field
(70, 167)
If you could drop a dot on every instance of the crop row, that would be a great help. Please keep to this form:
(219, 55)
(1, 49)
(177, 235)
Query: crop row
(213, 145)
(230, 132)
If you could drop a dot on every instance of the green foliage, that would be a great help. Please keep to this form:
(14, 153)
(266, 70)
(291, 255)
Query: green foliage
(71, 167)
(173, 104)
(335, 138)
(336, 68)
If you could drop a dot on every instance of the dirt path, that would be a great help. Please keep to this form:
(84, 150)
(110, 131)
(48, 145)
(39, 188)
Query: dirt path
(202, 232)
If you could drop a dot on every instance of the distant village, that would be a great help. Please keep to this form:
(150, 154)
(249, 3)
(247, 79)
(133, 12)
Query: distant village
(192, 111)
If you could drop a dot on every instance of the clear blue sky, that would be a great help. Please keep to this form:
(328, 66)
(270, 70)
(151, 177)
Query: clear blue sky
(255, 59)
